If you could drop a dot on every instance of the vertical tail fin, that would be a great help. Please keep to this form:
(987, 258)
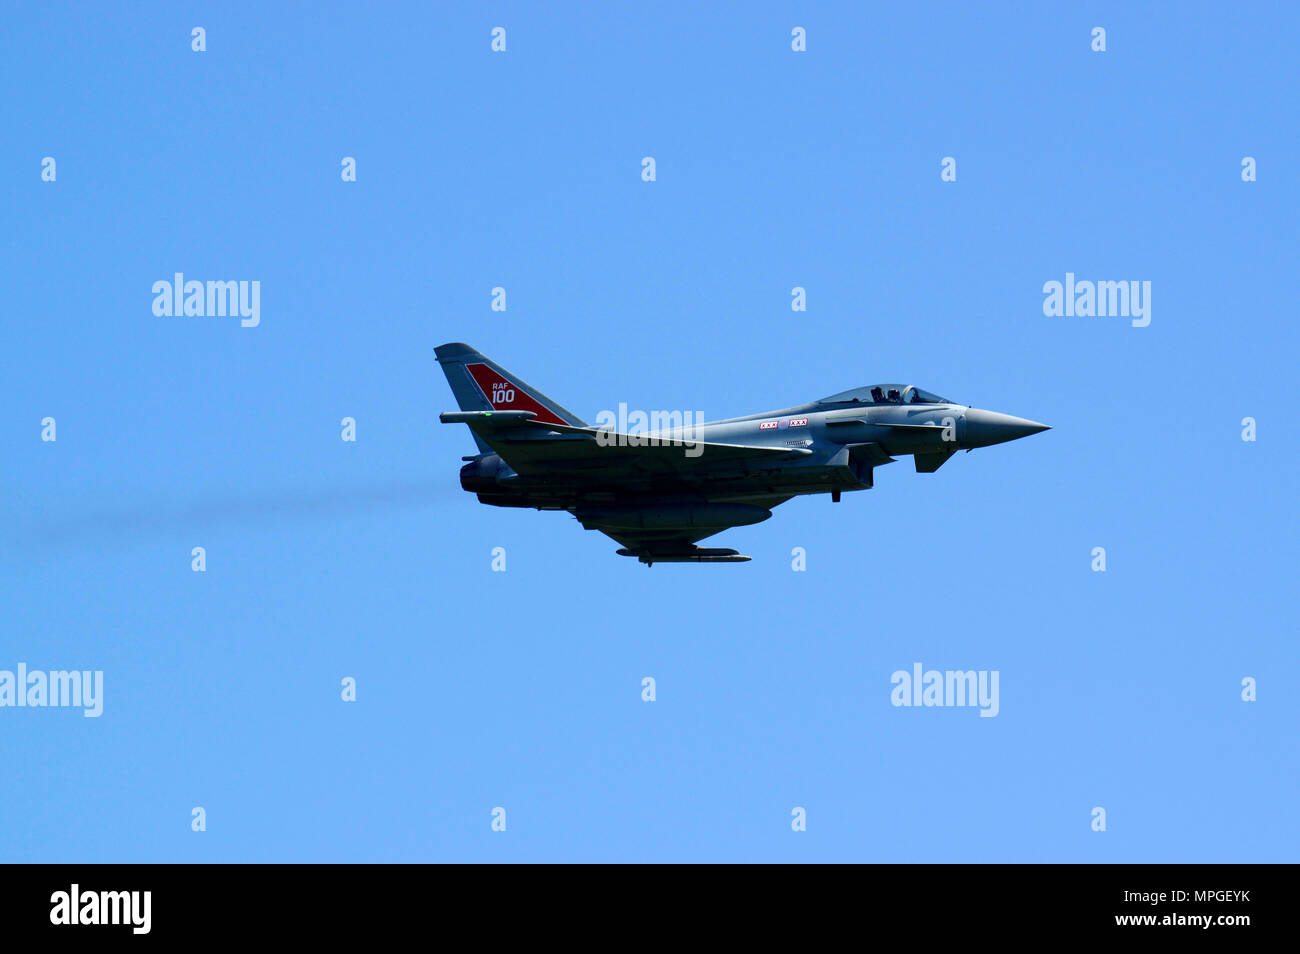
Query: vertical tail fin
(480, 384)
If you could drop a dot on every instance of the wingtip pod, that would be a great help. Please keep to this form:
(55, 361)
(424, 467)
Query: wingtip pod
(501, 418)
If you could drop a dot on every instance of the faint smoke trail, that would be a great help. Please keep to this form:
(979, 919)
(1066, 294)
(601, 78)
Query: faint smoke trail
(164, 518)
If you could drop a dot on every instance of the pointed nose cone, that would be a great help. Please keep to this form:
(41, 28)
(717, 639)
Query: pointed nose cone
(989, 427)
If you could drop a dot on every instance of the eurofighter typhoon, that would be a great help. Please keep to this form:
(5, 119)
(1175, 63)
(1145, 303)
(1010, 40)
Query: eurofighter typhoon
(657, 493)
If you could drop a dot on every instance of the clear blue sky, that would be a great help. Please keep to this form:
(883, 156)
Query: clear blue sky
(522, 689)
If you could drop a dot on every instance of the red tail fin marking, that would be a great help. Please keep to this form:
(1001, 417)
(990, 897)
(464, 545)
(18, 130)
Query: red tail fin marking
(504, 395)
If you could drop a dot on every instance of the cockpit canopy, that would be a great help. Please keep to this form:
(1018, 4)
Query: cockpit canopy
(885, 394)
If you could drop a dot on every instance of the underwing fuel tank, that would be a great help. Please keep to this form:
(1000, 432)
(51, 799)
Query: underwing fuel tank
(702, 516)
(695, 555)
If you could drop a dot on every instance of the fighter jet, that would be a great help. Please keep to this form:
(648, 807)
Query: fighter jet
(659, 492)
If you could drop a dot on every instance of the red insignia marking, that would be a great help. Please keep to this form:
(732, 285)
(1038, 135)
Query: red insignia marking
(504, 395)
